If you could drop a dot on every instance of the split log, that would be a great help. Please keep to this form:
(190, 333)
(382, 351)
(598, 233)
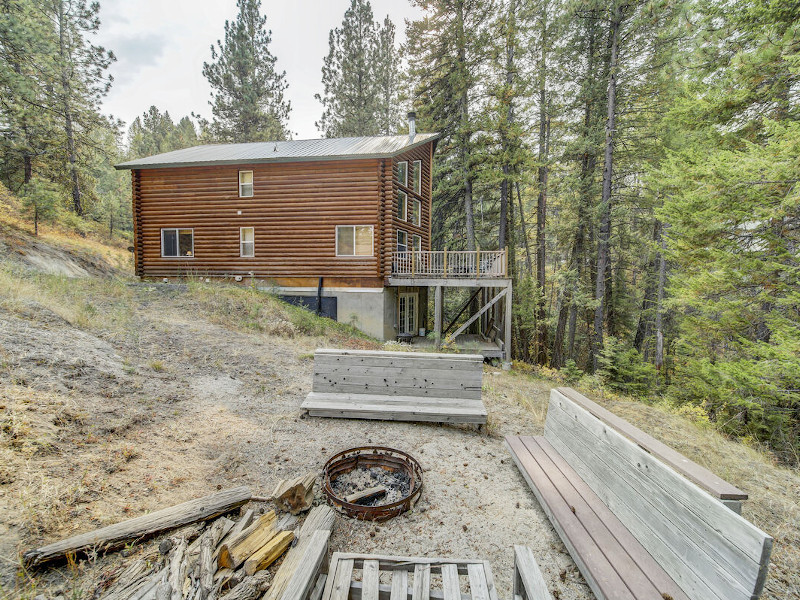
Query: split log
(114, 536)
(132, 579)
(163, 591)
(319, 519)
(269, 553)
(238, 550)
(177, 570)
(243, 523)
(208, 566)
(250, 588)
(295, 495)
(367, 494)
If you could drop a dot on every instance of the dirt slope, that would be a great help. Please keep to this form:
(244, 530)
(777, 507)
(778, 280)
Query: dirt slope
(118, 397)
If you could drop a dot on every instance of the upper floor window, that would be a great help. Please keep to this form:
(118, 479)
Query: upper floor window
(245, 184)
(416, 213)
(402, 173)
(416, 176)
(402, 205)
(247, 242)
(402, 241)
(416, 243)
(177, 243)
(354, 240)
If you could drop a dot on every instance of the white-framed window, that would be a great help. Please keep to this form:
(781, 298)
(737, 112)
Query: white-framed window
(402, 205)
(177, 243)
(402, 241)
(402, 173)
(416, 176)
(416, 213)
(247, 242)
(354, 240)
(416, 243)
(245, 184)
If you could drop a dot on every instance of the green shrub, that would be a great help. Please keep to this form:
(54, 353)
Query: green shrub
(624, 370)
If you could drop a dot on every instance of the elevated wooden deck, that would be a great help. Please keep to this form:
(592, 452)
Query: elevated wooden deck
(459, 265)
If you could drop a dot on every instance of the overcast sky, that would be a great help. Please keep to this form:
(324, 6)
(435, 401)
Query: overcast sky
(161, 46)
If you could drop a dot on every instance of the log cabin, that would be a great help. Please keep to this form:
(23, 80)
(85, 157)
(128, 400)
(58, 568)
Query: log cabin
(342, 226)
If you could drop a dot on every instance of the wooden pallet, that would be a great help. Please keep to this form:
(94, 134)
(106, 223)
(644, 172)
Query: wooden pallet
(359, 577)
(397, 386)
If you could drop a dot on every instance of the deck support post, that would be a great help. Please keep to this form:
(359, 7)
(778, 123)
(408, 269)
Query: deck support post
(507, 338)
(437, 316)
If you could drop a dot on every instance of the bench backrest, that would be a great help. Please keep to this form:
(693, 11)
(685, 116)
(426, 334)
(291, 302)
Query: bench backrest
(709, 550)
(398, 373)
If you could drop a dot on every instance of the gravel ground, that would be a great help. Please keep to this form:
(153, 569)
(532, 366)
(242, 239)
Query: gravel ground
(156, 399)
(176, 405)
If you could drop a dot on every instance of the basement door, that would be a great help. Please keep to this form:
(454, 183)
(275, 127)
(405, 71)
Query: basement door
(407, 311)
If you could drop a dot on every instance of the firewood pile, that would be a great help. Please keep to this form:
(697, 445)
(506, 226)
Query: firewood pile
(211, 556)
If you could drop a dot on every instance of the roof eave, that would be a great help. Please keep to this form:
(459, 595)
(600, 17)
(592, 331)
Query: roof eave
(132, 165)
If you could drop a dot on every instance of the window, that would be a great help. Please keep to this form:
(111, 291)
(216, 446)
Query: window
(402, 241)
(402, 206)
(354, 240)
(177, 242)
(402, 173)
(416, 176)
(416, 243)
(245, 184)
(247, 242)
(416, 213)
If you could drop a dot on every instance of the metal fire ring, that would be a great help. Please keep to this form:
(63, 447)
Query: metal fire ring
(373, 456)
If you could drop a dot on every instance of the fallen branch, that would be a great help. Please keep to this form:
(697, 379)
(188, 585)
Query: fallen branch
(114, 536)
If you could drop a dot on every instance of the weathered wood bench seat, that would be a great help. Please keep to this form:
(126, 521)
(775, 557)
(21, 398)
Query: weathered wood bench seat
(635, 527)
(397, 386)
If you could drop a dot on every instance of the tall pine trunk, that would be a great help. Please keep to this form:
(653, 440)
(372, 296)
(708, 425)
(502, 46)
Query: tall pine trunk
(650, 291)
(541, 201)
(604, 233)
(505, 184)
(524, 227)
(588, 165)
(66, 90)
(464, 133)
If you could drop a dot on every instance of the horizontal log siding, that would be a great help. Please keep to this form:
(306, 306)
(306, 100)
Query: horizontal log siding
(294, 210)
(423, 153)
(138, 249)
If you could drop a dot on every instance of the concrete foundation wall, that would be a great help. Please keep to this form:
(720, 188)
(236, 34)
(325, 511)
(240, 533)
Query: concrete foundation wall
(372, 310)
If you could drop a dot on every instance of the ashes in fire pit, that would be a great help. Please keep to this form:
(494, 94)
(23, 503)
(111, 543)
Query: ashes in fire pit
(372, 482)
(387, 486)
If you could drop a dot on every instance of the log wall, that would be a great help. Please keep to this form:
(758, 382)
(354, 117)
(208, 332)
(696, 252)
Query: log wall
(294, 210)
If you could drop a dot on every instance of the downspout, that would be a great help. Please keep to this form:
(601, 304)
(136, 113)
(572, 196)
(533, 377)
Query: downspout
(319, 297)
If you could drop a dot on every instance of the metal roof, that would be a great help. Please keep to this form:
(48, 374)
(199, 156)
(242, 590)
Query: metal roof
(291, 151)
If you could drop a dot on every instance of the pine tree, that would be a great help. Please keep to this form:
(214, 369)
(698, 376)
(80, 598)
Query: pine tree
(448, 49)
(247, 91)
(359, 76)
(80, 82)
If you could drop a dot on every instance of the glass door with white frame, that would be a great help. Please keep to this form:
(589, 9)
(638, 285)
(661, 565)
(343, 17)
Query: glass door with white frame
(407, 313)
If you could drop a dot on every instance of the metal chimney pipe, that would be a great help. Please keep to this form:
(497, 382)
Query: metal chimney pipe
(412, 125)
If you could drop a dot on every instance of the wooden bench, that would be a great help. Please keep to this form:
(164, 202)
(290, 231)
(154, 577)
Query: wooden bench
(728, 494)
(397, 386)
(635, 527)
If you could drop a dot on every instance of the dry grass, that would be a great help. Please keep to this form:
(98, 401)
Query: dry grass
(92, 239)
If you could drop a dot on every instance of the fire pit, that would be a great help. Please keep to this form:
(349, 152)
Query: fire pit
(387, 481)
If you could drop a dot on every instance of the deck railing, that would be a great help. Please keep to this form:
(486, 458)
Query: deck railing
(456, 264)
